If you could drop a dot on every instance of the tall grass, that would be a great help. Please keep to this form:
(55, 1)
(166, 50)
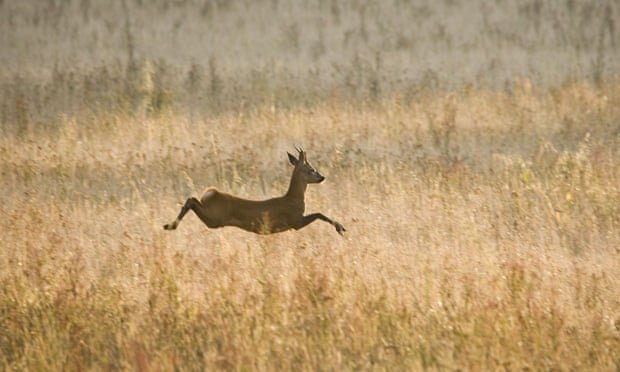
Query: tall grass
(483, 233)
(471, 149)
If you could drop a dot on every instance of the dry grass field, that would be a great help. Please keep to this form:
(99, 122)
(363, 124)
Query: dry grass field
(456, 256)
(483, 220)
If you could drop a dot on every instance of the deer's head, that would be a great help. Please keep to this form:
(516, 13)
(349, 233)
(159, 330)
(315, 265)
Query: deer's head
(303, 169)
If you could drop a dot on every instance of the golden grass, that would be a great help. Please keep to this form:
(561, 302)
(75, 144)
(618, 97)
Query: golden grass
(482, 233)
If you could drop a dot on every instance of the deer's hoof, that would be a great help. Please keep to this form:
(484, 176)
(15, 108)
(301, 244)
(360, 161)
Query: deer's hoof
(340, 229)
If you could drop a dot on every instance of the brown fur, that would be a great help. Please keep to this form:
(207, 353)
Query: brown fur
(217, 209)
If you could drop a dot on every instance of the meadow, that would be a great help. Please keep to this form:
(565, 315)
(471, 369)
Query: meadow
(483, 218)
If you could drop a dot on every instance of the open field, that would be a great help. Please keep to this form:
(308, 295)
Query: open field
(218, 56)
(471, 149)
(483, 232)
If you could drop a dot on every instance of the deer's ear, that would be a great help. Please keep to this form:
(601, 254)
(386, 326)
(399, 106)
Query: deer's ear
(292, 159)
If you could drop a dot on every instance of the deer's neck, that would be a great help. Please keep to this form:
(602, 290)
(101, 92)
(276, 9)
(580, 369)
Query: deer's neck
(297, 188)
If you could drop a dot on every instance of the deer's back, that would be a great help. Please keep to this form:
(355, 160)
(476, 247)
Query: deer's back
(260, 216)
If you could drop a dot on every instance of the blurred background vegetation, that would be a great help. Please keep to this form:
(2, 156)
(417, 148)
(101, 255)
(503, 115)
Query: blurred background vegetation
(207, 56)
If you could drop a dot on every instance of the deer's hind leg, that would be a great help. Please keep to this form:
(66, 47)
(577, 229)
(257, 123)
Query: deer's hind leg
(191, 203)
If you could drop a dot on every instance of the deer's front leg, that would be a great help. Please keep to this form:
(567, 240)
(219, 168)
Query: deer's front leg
(306, 220)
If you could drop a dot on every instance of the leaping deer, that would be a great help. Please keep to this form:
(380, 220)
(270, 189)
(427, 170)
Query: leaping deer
(218, 209)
